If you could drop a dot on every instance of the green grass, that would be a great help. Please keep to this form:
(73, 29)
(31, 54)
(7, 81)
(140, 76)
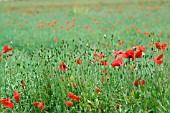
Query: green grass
(36, 57)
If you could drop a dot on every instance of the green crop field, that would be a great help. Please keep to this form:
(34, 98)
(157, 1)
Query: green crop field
(84, 56)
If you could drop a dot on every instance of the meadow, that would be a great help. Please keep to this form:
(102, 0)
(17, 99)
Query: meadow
(97, 56)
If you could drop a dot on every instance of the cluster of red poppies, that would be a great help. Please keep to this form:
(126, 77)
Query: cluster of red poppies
(74, 97)
(7, 102)
(6, 49)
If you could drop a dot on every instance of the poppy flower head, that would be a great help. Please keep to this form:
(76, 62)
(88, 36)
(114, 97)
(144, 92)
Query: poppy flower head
(54, 22)
(118, 53)
(95, 54)
(113, 26)
(94, 19)
(158, 59)
(17, 96)
(67, 21)
(69, 103)
(78, 61)
(146, 33)
(61, 26)
(101, 55)
(71, 95)
(104, 63)
(55, 39)
(7, 49)
(118, 62)
(138, 54)
(98, 90)
(161, 46)
(7, 103)
(86, 26)
(74, 19)
(22, 82)
(136, 83)
(63, 66)
(74, 97)
(141, 48)
(104, 71)
(39, 104)
(142, 82)
(129, 54)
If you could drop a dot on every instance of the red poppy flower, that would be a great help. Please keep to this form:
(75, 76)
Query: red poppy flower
(39, 104)
(127, 29)
(118, 53)
(22, 82)
(67, 21)
(94, 60)
(17, 96)
(94, 19)
(131, 17)
(104, 71)
(63, 66)
(74, 19)
(101, 55)
(67, 28)
(142, 82)
(61, 26)
(74, 97)
(118, 62)
(138, 32)
(161, 46)
(138, 54)
(146, 25)
(96, 54)
(129, 54)
(7, 103)
(69, 103)
(146, 15)
(102, 28)
(74, 84)
(158, 60)
(78, 61)
(120, 22)
(54, 22)
(157, 21)
(134, 27)
(113, 25)
(20, 25)
(141, 48)
(104, 63)
(48, 23)
(86, 26)
(98, 90)
(0, 56)
(71, 95)
(52, 25)
(7, 49)
(136, 82)
(146, 33)
(97, 23)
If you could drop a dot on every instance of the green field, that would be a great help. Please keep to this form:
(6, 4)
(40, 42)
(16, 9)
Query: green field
(84, 35)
